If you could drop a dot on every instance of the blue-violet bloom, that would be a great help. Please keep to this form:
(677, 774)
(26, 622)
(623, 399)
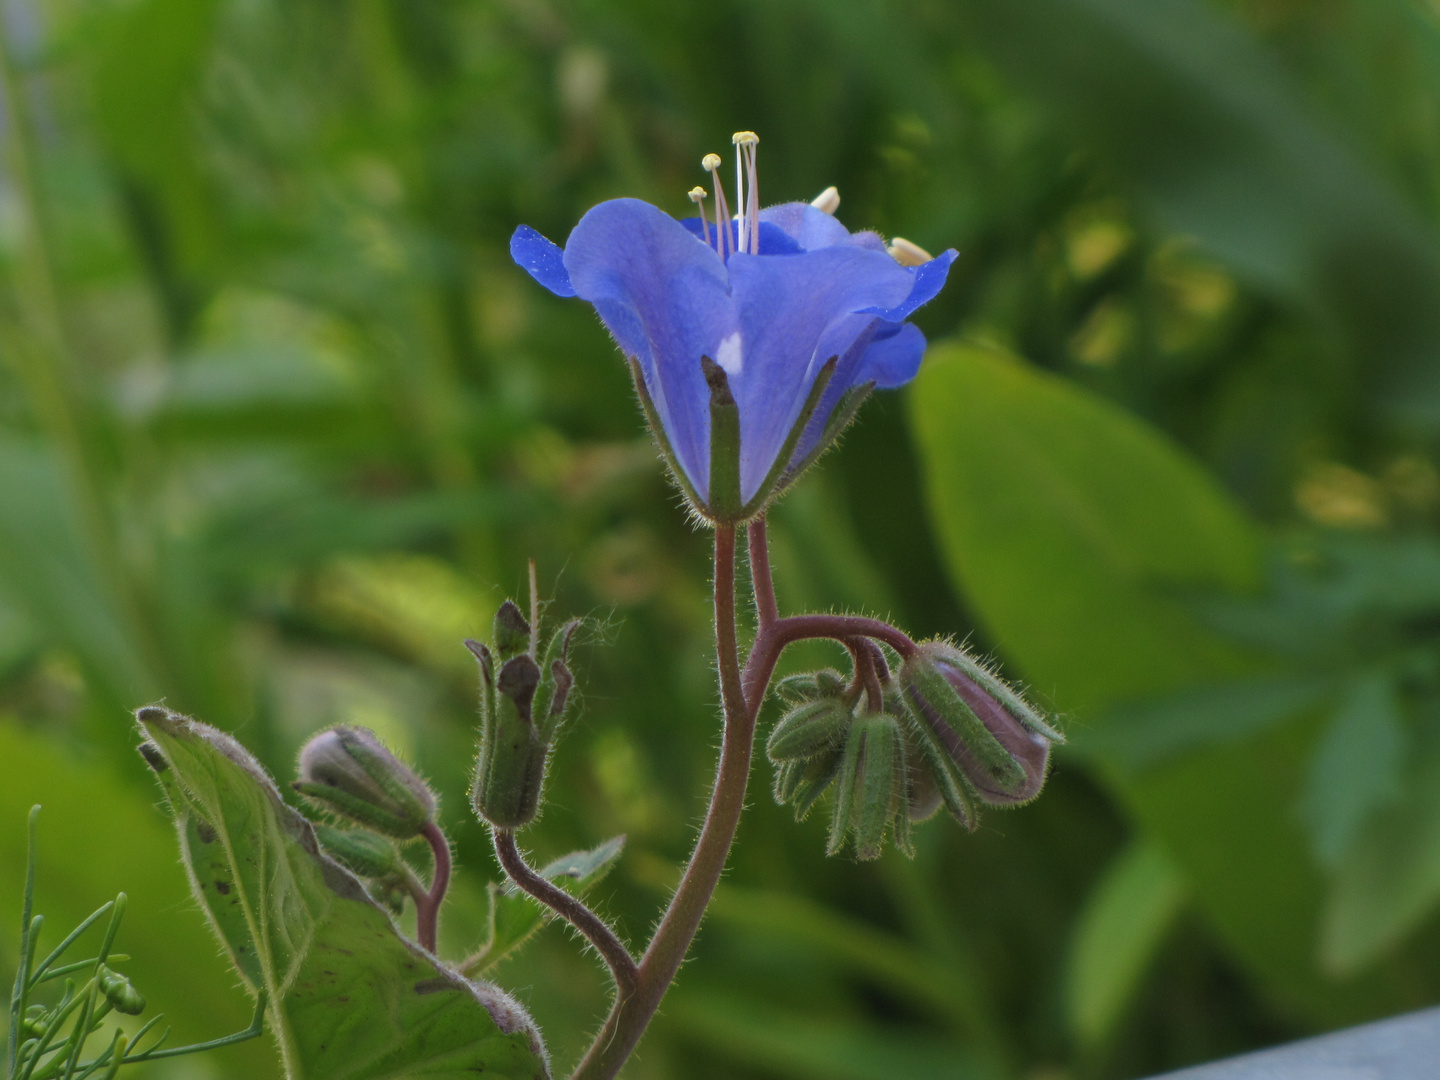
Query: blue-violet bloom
(752, 338)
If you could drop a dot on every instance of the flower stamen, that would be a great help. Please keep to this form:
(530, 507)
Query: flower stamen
(828, 200)
(748, 195)
(711, 164)
(698, 195)
(907, 254)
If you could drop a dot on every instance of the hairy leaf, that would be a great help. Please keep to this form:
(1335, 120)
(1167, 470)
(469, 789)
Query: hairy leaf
(350, 996)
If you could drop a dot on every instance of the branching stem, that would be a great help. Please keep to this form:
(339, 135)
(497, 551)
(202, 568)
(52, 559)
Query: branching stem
(742, 690)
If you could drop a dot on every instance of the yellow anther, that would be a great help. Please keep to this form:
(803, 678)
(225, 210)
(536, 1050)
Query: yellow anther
(906, 253)
(698, 194)
(710, 162)
(745, 138)
(828, 200)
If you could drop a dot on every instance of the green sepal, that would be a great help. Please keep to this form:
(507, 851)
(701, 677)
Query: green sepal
(808, 685)
(954, 788)
(845, 783)
(356, 808)
(772, 485)
(511, 770)
(360, 852)
(724, 503)
(814, 778)
(1001, 691)
(657, 430)
(809, 729)
(512, 631)
(844, 412)
(554, 694)
(930, 699)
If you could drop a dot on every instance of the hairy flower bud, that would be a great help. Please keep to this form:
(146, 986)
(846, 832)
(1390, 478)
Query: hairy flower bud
(347, 770)
(871, 793)
(522, 705)
(361, 852)
(809, 729)
(978, 736)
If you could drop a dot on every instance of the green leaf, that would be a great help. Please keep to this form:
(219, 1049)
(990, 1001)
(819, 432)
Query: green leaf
(1390, 881)
(1358, 766)
(1124, 923)
(351, 997)
(1059, 515)
(1143, 734)
(515, 917)
(1066, 522)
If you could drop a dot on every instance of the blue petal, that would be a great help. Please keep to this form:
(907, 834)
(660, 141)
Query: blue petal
(795, 314)
(893, 358)
(664, 296)
(809, 228)
(929, 280)
(541, 259)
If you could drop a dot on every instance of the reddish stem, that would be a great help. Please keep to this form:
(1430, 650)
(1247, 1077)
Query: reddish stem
(427, 905)
(571, 909)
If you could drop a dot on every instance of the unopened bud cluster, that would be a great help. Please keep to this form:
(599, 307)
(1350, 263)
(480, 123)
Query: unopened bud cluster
(945, 731)
(347, 772)
(525, 695)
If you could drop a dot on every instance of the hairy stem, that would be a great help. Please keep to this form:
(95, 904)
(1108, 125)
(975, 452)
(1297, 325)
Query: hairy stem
(596, 930)
(741, 694)
(761, 582)
(630, 1015)
(863, 653)
(427, 906)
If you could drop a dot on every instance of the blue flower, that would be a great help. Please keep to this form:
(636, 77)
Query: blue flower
(752, 340)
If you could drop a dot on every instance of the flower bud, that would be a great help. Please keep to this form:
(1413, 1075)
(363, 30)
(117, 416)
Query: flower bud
(522, 705)
(972, 728)
(808, 685)
(361, 852)
(871, 794)
(121, 993)
(348, 771)
(811, 728)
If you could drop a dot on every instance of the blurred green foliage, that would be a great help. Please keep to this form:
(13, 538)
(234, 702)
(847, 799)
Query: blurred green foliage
(280, 424)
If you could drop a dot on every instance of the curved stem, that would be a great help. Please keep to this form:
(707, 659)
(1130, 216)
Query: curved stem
(741, 693)
(427, 905)
(622, 965)
(862, 652)
(630, 1015)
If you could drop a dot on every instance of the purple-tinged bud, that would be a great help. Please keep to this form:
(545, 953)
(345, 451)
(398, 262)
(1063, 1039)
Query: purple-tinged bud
(969, 722)
(347, 770)
(512, 631)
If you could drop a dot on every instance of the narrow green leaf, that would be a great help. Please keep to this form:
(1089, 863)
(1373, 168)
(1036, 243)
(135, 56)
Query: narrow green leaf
(1123, 924)
(350, 996)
